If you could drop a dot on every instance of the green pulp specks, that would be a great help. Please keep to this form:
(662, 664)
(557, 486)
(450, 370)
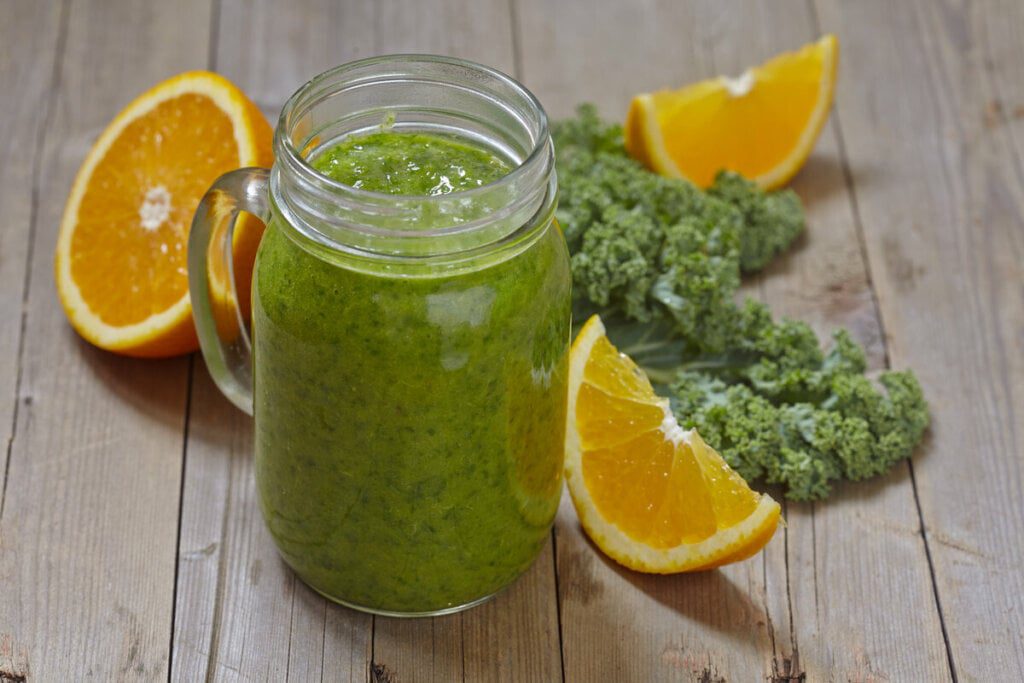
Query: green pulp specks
(412, 164)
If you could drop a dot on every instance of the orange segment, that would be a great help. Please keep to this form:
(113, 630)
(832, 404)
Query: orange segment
(730, 497)
(121, 261)
(651, 496)
(612, 419)
(632, 479)
(762, 124)
(617, 374)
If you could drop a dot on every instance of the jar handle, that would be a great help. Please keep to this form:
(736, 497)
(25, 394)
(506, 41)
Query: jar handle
(220, 323)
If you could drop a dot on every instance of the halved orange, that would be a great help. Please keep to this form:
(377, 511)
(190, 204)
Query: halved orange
(121, 261)
(762, 124)
(652, 496)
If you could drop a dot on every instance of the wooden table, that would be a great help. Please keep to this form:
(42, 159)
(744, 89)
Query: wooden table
(131, 547)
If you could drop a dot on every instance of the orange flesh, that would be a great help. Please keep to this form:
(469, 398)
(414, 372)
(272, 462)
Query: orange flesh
(119, 290)
(747, 134)
(656, 491)
(761, 124)
(614, 419)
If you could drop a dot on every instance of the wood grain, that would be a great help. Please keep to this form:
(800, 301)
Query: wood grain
(865, 539)
(30, 35)
(91, 510)
(937, 178)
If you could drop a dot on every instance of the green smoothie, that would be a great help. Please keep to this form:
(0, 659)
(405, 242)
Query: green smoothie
(409, 429)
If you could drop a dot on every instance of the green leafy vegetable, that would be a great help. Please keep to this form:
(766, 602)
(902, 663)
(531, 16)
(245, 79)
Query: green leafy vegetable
(660, 260)
(776, 407)
(771, 221)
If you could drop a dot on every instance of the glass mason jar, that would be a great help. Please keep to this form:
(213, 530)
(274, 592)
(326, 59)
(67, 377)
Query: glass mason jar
(408, 357)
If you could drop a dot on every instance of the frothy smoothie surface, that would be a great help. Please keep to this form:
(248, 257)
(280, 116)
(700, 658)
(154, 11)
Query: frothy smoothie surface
(416, 164)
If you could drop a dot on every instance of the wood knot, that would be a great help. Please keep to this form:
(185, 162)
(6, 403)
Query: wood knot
(709, 674)
(787, 670)
(379, 673)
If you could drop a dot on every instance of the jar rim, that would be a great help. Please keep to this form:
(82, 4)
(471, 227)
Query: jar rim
(422, 91)
(283, 141)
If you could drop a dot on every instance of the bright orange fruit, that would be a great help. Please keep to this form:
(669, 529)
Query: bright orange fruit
(121, 261)
(652, 496)
(762, 124)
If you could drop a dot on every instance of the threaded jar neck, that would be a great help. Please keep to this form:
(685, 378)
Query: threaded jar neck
(414, 93)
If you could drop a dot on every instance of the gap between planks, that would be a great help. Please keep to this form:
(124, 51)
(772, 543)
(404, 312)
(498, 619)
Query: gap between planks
(211, 62)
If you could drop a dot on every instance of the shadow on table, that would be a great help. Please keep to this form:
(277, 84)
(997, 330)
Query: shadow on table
(154, 387)
(159, 390)
(824, 176)
(710, 597)
(214, 422)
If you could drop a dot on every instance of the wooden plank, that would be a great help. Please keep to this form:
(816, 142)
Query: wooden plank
(1001, 35)
(617, 624)
(939, 188)
(29, 35)
(865, 539)
(602, 57)
(91, 510)
(224, 616)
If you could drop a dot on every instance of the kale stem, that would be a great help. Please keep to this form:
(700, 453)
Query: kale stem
(726, 362)
(637, 349)
(659, 376)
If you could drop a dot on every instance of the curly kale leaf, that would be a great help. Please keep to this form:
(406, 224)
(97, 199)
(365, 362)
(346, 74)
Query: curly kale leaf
(771, 220)
(660, 260)
(650, 246)
(618, 260)
(841, 425)
(586, 133)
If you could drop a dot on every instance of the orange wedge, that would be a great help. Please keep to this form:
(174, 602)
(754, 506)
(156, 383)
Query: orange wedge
(762, 124)
(121, 261)
(652, 496)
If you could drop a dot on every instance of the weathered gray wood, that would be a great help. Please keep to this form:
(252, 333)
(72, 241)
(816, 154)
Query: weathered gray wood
(930, 117)
(1001, 37)
(229, 623)
(938, 184)
(576, 52)
(311, 36)
(623, 625)
(515, 637)
(87, 539)
(865, 539)
(29, 33)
